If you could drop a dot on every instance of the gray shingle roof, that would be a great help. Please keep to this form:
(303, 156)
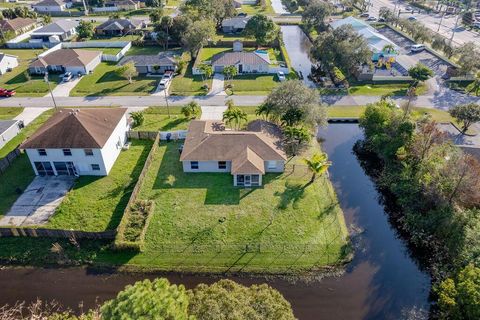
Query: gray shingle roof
(150, 60)
(235, 58)
(58, 26)
(119, 24)
(49, 3)
(236, 22)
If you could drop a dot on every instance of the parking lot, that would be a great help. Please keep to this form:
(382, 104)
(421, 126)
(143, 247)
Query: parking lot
(438, 65)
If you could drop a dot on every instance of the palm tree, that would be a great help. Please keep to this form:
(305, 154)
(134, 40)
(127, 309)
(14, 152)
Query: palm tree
(296, 137)
(229, 72)
(318, 164)
(264, 110)
(235, 116)
(389, 48)
(206, 70)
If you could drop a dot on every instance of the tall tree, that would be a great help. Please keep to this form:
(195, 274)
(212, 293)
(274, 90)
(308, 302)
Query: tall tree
(468, 57)
(315, 14)
(85, 29)
(318, 164)
(153, 3)
(262, 29)
(128, 71)
(146, 299)
(156, 15)
(295, 137)
(216, 10)
(197, 36)
(343, 47)
(420, 73)
(235, 116)
(467, 114)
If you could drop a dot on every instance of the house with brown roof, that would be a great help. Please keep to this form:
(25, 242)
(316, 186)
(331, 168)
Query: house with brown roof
(78, 142)
(17, 25)
(77, 61)
(247, 155)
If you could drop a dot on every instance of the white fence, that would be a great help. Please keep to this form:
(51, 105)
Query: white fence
(105, 9)
(17, 42)
(174, 135)
(392, 78)
(125, 45)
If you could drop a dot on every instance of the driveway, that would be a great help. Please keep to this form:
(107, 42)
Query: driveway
(218, 85)
(212, 112)
(30, 114)
(39, 201)
(63, 88)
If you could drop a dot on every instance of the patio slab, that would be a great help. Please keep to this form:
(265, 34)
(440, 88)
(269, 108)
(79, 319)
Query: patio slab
(39, 201)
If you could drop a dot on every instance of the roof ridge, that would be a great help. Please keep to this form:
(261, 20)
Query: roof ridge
(83, 126)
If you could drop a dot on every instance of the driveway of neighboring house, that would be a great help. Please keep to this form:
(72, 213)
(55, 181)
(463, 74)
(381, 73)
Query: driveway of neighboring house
(30, 114)
(218, 85)
(39, 201)
(160, 91)
(63, 88)
(212, 112)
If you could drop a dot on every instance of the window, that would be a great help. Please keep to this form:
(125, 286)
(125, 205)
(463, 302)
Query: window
(193, 164)
(67, 152)
(42, 152)
(255, 180)
(222, 164)
(271, 164)
(88, 152)
(240, 180)
(95, 167)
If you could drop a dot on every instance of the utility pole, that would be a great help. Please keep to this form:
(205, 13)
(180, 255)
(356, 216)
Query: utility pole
(50, 89)
(455, 28)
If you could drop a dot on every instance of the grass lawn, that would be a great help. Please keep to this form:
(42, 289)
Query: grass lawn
(18, 175)
(156, 119)
(97, 203)
(9, 113)
(189, 85)
(256, 84)
(380, 89)
(206, 54)
(202, 223)
(105, 81)
(25, 133)
(25, 86)
(252, 9)
(112, 51)
(149, 51)
(128, 37)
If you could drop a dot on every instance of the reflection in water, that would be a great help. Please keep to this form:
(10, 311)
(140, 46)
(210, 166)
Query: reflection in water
(298, 48)
(381, 282)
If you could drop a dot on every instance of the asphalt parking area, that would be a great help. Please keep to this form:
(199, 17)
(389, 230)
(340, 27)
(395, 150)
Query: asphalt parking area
(39, 201)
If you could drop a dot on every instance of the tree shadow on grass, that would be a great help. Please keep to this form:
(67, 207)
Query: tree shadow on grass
(291, 195)
(173, 124)
(18, 79)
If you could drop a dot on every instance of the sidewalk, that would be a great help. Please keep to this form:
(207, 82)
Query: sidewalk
(30, 114)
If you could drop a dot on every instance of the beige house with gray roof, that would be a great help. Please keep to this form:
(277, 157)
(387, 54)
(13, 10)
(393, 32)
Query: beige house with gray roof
(76, 61)
(247, 155)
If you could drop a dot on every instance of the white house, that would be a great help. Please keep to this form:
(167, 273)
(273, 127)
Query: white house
(61, 30)
(46, 6)
(8, 130)
(246, 155)
(78, 142)
(76, 61)
(7, 62)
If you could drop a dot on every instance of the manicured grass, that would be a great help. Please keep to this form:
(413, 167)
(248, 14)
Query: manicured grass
(97, 203)
(112, 51)
(251, 9)
(105, 81)
(206, 54)
(156, 119)
(128, 37)
(18, 80)
(229, 37)
(203, 223)
(25, 133)
(189, 85)
(380, 89)
(149, 51)
(18, 175)
(9, 113)
(256, 84)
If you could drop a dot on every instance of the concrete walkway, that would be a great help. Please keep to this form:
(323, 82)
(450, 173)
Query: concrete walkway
(39, 201)
(30, 114)
(63, 88)
(218, 85)
(212, 112)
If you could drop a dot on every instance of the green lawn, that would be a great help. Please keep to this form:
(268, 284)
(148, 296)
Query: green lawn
(379, 89)
(256, 84)
(105, 81)
(97, 203)
(251, 9)
(202, 223)
(156, 119)
(25, 133)
(149, 51)
(188, 85)
(206, 54)
(18, 80)
(10, 112)
(18, 175)
(112, 51)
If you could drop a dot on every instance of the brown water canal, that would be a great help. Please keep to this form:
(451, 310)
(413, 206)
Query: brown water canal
(382, 282)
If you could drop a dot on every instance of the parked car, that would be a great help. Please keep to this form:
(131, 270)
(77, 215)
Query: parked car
(167, 76)
(409, 8)
(6, 93)
(281, 76)
(364, 15)
(67, 77)
(417, 47)
(372, 19)
(412, 18)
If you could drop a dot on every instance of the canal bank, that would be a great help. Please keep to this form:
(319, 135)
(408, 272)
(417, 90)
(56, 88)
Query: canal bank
(382, 282)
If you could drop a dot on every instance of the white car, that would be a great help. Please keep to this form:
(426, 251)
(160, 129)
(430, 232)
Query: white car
(67, 77)
(372, 19)
(281, 76)
(417, 47)
(167, 76)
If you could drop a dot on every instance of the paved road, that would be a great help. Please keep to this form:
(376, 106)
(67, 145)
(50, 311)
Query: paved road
(430, 20)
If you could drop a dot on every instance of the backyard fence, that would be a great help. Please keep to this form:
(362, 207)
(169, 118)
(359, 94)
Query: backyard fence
(125, 45)
(174, 135)
(55, 233)
(8, 159)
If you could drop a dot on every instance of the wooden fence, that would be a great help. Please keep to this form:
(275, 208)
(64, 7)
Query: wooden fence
(8, 159)
(55, 233)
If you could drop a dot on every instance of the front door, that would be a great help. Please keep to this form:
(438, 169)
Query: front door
(248, 181)
(240, 68)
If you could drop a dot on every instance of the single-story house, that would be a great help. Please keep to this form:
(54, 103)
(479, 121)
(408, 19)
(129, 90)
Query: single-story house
(78, 142)
(7, 62)
(57, 31)
(17, 25)
(235, 24)
(46, 6)
(77, 61)
(245, 61)
(120, 5)
(378, 43)
(152, 63)
(247, 155)
(118, 27)
(8, 130)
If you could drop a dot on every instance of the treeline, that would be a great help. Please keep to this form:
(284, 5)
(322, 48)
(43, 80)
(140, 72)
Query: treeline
(437, 187)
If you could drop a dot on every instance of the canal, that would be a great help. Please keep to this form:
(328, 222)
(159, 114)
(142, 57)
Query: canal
(382, 282)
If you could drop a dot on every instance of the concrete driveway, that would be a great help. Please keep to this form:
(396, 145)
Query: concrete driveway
(63, 88)
(212, 112)
(39, 201)
(218, 85)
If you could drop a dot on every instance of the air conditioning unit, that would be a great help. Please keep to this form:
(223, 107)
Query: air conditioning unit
(126, 146)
